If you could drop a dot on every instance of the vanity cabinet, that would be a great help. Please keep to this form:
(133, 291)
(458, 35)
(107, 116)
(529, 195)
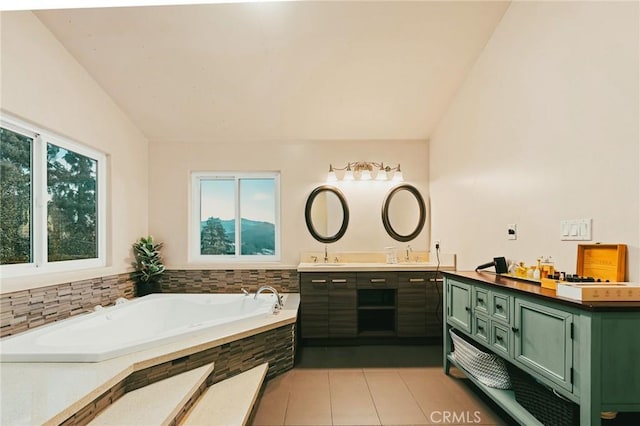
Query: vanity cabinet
(377, 303)
(573, 348)
(343, 300)
(419, 302)
(314, 305)
(328, 305)
(370, 304)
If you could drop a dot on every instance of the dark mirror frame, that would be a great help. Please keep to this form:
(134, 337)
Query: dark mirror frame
(345, 214)
(385, 212)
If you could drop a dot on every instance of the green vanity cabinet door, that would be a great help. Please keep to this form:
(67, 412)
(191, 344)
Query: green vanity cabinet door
(314, 305)
(459, 305)
(543, 341)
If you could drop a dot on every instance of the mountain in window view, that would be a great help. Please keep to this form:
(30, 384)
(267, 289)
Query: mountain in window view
(258, 238)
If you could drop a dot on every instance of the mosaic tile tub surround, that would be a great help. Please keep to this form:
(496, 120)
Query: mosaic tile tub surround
(276, 346)
(229, 280)
(26, 309)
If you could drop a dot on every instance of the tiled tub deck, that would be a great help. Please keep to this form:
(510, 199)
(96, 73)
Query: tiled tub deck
(73, 393)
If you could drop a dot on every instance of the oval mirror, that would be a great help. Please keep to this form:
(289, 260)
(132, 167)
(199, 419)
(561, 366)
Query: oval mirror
(403, 212)
(326, 214)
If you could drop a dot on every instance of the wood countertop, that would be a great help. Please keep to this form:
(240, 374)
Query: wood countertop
(532, 289)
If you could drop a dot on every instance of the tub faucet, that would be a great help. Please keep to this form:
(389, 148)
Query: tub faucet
(279, 304)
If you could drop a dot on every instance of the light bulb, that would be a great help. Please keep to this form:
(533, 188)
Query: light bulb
(365, 175)
(348, 175)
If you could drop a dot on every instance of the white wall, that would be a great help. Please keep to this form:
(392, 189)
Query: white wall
(303, 166)
(43, 84)
(545, 128)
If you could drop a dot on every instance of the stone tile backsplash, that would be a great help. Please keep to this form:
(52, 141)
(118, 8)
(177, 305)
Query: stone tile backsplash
(229, 281)
(26, 309)
(22, 310)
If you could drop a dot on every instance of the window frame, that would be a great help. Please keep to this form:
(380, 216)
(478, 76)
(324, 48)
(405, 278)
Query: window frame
(39, 233)
(194, 255)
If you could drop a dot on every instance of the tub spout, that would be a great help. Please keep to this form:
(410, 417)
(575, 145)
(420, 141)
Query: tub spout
(279, 304)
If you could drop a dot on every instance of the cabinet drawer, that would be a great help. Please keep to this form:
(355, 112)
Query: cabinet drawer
(338, 281)
(313, 281)
(500, 338)
(501, 307)
(481, 300)
(413, 279)
(377, 279)
(481, 328)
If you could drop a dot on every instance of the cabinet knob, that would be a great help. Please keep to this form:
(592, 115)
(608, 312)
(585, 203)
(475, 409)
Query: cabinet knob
(480, 328)
(480, 300)
(499, 338)
(498, 306)
(514, 329)
(466, 308)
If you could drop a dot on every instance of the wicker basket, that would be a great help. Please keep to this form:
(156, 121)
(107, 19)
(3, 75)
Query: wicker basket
(545, 405)
(489, 369)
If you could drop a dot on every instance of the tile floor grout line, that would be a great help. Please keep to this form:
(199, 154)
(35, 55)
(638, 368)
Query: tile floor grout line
(375, 406)
(414, 397)
(329, 389)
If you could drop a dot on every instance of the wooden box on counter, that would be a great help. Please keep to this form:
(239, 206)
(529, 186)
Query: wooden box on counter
(602, 261)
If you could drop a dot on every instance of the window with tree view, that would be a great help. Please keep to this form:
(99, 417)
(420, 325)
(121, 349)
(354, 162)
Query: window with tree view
(51, 201)
(237, 216)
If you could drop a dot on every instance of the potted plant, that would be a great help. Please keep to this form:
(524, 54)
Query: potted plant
(149, 267)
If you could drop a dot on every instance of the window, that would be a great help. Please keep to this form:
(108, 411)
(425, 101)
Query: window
(52, 202)
(235, 217)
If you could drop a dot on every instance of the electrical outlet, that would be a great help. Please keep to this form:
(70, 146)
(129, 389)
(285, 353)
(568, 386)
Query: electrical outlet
(437, 244)
(512, 231)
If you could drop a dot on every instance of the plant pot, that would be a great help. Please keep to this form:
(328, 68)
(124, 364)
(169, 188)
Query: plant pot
(144, 288)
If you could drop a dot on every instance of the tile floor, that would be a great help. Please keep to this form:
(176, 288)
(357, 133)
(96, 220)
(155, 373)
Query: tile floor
(371, 385)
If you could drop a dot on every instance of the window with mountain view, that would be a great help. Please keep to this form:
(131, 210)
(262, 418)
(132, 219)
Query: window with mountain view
(236, 216)
(51, 202)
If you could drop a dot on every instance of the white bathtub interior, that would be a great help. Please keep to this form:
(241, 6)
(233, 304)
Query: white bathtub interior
(133, 326)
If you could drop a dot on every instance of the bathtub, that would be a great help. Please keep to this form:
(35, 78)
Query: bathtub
(132, 326)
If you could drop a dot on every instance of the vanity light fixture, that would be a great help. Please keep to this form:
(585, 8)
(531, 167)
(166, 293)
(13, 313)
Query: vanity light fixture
(364, 170)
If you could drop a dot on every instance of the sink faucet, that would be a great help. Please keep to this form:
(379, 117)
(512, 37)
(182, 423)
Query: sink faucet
(326, 255)
(279, 304)
(408, 256)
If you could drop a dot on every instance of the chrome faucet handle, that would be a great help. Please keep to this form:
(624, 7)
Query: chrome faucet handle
(336, 260)
(315, 259)
(244, 290)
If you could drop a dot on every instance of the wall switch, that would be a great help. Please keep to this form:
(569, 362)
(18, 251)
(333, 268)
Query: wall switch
(512, 233)
(575, 230)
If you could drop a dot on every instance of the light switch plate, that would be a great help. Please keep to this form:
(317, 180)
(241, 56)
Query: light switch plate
(575, 230)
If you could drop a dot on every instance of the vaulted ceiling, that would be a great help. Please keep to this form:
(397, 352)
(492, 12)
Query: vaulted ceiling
(321, 70)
